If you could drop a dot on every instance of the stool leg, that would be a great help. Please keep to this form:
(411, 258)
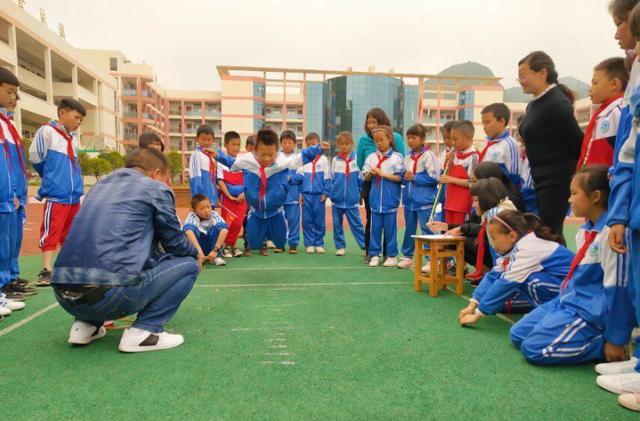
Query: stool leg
(460, 268)
(433, 272)
(417, 258)
(442, 270)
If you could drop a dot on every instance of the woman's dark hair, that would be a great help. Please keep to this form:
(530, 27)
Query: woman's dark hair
(417, 130)
(488, 169)
(538, 61)
(594, 178)
(490, 192)
(634, 22)
(380, 116)
(525, 223)
(620, 9)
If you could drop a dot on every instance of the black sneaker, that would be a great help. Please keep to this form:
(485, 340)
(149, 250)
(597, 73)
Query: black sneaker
(247, 252)
(293, 249)
(22, 281)
(12, 295)
(16, 287)
(264, 251)
(44, 278)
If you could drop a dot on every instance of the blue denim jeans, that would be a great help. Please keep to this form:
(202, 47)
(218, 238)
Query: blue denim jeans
(156, 298)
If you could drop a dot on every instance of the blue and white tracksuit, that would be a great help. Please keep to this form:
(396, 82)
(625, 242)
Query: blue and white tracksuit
(206, 231)
(384, 200)
(19, 180)
(505, 152)
(531, 272)
(203, 175)
(418, 195)
(527, 187)
(573, 328)
(316, 183)
(266, 218)
(345, 198)
(624, 201)
(292, 202)
(7, 214)
(61, 179)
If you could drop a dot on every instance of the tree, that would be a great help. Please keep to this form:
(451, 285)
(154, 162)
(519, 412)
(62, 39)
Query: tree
(99, 167)
(85, 163)
(114, 158)
(175, 164)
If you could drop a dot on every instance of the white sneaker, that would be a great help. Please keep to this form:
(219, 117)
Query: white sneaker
(138, 340)
(340, 252)
(617, 367)
(320, 250)
(83, 333)
(219, 261)
(270, 245)
(630, 401)
(227, 253)
(391, 262)
(311, 250)
(237, 252)
(426, 268)
(620, 383)
(375, 261)
(405, 263)
(4, 310)
(12, 305)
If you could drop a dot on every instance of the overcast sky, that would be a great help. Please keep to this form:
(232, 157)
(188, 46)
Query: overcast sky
(184, 40)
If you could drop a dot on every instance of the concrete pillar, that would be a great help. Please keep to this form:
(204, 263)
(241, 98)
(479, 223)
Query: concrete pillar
(48, 75)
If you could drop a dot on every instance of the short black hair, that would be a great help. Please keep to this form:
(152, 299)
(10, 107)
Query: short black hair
(147, 159)
(205, 129)
(7, 76)
(490, 192)
(149, 138)
(446, 127)
(464, 126)
(267, 137)
(312, 135)
(197, 199)
(231, 135)
(499, 110)
(70, 104)
(417, 130)
(615, 68)
(288, 134)
(251, 140)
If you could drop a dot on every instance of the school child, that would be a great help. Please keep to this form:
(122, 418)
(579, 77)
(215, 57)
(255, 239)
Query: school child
(265, 182)
(206, 230)
(345, 193)
(457, 205)
(202, 166)
(316, 187)
(608, 84)
(385, 168)
(54, 155)
(250, 147)
(501, 148)
(420, 187)
(527, 187)
(530, 269)
(577, 326)
(233, 204)
(448, 149)
(150, 140)
(292, 202)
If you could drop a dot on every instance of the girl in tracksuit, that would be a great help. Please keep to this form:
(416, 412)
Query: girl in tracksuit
(574, 327)
(345, 193)
(385, 168)
(530, 269)
(292, 201)
(265, 184)
(420, 188)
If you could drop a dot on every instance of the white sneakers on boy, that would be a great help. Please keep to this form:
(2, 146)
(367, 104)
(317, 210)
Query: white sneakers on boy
(219, 261)
(320, 250)
(405, 263)
(311, 250)
(630, 401)
(617, 367)
(340, 252)
(8, 306)
(620, 383)
(391, 262)
(375, 261)
(83, 333)
(139, 340)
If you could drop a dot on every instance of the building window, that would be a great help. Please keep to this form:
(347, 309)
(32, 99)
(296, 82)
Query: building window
(113, 64)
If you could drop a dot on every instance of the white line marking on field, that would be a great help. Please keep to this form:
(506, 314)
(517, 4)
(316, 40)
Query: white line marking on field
(28, 319)
(278, 353)
(279, 362)
(277, 346)
(293, 285)
(293, 268)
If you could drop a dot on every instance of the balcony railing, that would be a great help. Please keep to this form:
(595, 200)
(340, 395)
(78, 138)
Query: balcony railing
(129, 92)
(194, 113)
(130, 114)
(147, 116)
(146, 93)
(213, 113)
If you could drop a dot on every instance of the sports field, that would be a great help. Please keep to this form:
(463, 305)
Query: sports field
(292, 337)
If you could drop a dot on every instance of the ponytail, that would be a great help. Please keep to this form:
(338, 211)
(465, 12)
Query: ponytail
(523, 224)
(535, 225)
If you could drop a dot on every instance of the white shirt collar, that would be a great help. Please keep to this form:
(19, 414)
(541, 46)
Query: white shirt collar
(550, 87)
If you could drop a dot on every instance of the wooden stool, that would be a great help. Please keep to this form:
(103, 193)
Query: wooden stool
(439, 248)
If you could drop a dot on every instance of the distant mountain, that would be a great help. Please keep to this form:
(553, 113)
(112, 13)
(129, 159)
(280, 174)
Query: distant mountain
(470, 68)
(579, 88)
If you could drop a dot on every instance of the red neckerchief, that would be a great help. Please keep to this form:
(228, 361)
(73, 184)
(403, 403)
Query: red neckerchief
(588, 133)
(415, 158)
(477, 274)
(313, 167)
(263, 185)
(17, 139)
(212, 166)
(380, 161)
(347, 159)
(462, 155)
(589, 236)
(69, 139)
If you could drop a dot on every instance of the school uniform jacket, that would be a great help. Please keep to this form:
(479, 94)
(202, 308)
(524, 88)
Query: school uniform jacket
(6, 179)
(420, 193)
(527, 188)
(198, 226)
(316, 176)
(295, 179)
(203, 175)
(232, 180)
(16, 155)
(505, 152)
(385, 195)
(345, 190)
(458, 198)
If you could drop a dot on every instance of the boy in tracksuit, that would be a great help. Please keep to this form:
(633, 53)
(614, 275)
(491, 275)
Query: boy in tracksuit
(500, 148)
(202, 166)
(420, 187)
(292, 201)
(265, 182)
(54, 155)
(345, 193)
(316, 187)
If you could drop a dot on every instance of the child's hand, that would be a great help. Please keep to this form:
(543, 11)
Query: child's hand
(437, 226)
(614, 353)
(16, 203)
(616, 238)
(376, 171)
(455, 232)
(448, 156)
(200, 261)
(470, 319)
(408, 175)
(323, 198)
(467, 310)
(325, 146)
(212, 152)
(300, 199)
(240, 197)
(446, 179)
